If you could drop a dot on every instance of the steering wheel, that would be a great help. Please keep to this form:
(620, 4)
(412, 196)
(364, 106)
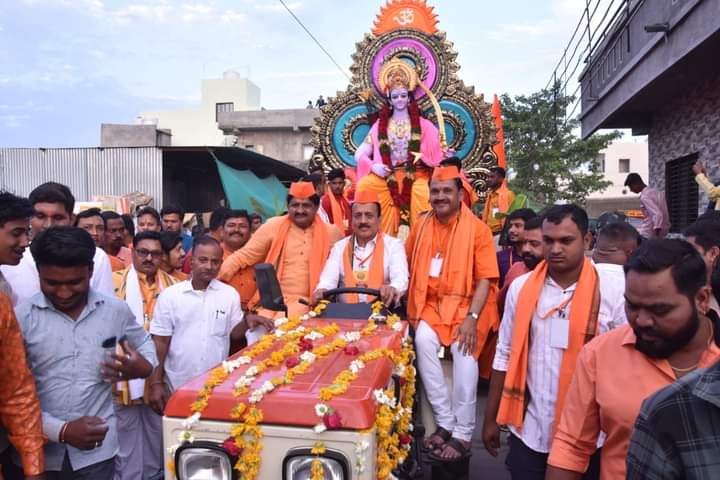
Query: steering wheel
(332, 294)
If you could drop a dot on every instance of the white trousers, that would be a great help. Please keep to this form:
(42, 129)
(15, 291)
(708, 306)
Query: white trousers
(140, 439)
(456, 416)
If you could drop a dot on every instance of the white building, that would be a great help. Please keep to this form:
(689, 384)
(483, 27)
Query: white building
(616, 161)
(198, 126)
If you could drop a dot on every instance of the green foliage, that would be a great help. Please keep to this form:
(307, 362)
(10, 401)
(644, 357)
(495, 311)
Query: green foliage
(551, 162)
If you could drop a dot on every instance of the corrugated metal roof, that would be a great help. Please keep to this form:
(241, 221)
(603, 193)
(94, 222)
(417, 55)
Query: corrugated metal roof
(86, 171)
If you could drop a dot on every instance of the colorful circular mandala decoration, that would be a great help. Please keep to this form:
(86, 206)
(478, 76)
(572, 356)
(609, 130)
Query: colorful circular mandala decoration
(407, 30)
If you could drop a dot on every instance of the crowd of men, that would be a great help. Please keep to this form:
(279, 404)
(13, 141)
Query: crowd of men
(597, 358)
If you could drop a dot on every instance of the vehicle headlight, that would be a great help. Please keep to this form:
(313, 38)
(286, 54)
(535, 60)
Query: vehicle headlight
(203, 463)
(298, 465)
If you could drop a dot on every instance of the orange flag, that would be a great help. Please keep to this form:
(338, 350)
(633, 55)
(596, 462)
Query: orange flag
(499, 147)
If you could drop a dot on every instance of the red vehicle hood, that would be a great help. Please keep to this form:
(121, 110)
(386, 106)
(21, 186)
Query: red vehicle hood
(294, 404)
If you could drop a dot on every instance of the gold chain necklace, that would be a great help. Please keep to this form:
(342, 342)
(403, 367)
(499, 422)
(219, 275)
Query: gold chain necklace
(693, 367)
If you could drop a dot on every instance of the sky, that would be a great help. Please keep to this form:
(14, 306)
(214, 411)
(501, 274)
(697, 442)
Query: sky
(66, 66)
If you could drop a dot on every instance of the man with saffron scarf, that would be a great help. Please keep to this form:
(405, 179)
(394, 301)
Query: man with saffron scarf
(451, 304)
(550, 313)
(140, 453)
(470, 197)
(335, 203)
(297, 244)
(236, 233)
(498, 201)
(367, 258)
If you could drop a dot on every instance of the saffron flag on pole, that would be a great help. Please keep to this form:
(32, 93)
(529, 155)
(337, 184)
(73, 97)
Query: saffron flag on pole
(499, 147)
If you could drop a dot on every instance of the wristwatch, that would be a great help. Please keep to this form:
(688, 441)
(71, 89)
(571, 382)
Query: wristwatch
(474, 315)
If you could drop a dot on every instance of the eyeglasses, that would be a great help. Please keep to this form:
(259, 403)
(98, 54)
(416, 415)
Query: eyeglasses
(143, 253)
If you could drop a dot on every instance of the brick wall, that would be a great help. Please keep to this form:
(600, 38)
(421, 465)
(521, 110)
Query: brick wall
(685, 125)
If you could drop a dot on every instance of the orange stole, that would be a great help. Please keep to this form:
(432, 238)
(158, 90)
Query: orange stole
(116, 264)
(243, 282)
(320, 247)
(376, 274)
(390, 214)
(583, 327)
(455, 287)
(338, 214)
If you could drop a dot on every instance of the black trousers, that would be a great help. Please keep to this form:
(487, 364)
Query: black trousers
(104, 470)
(527, 464)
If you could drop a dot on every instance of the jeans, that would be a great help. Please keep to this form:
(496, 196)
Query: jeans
(527, 464)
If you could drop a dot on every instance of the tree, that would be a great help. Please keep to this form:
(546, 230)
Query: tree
(551, 162)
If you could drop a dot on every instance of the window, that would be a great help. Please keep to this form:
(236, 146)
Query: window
(223, 107)
(624, 165)
(681, 192)
(601, 162)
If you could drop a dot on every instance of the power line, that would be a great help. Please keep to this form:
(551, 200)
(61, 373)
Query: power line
(316, 40)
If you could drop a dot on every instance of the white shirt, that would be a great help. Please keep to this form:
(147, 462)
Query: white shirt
(543, 360)
(199, 323)
(394, 264)
(323, 215)
(25, 282)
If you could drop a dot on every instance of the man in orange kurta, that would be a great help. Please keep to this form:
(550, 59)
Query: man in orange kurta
(334, 202)
(20, 410)
(297, 244)
(470, 197)
(453, 283)
(236, 233)
(498, 200)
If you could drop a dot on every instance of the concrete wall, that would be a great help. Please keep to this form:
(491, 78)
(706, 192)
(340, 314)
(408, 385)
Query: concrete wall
(198, 126)
(631, 65)
(116, 135)
(688, 124)
(281, 134)
(285, 145)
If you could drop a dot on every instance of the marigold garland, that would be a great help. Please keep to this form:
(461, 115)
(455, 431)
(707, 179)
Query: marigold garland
(246, 430)
(317, 470)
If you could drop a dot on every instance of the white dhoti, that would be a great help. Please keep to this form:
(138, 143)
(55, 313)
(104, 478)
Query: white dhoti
(456, 416)
(140, 443)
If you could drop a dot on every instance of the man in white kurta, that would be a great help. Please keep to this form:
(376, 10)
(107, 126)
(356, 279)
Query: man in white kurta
(354, 260)
(193, 322)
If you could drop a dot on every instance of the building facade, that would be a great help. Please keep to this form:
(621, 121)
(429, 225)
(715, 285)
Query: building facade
(616, 161)
(656, 71)
(199, 126)
(280, 134)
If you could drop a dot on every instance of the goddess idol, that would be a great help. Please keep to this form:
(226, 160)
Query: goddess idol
(396, 159)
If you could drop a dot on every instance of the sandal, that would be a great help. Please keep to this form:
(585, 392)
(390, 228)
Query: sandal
(456, 445)
(441, 433)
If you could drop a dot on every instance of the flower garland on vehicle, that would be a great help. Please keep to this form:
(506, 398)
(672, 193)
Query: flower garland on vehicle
(245, 439)
(221, 373)
(317, 471)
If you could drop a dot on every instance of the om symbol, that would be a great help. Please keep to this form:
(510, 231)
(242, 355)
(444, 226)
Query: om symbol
(405, 17)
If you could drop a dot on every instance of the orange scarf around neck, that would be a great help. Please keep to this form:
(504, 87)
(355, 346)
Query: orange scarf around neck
(456, 277)
(583, 327)
(376, 272)
(320, 250)
(337, 212)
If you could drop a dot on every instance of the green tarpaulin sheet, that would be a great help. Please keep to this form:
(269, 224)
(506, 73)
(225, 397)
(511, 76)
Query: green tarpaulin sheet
(244, 190)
